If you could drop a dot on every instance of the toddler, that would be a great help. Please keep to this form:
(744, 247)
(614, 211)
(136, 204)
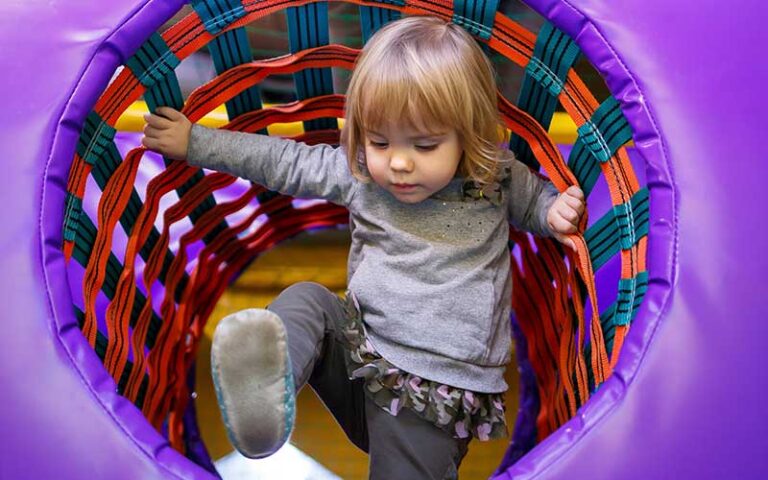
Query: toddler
(411, 362)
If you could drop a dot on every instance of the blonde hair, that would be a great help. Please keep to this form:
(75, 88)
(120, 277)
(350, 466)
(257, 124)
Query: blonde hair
(426, 70)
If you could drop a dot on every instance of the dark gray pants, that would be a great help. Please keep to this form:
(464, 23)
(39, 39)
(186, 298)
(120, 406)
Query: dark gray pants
(403, 446)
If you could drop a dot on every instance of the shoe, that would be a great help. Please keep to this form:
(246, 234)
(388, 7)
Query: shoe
(253, 378)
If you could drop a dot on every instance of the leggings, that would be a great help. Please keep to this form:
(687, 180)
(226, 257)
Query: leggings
(403, 446)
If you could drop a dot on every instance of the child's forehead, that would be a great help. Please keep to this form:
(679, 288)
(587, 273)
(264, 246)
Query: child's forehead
(407, 125)
(405, 132)
(403, 100)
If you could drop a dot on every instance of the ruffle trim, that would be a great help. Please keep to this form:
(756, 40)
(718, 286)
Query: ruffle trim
(460, 412)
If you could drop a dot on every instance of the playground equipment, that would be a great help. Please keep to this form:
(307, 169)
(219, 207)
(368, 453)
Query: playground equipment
(683, 398)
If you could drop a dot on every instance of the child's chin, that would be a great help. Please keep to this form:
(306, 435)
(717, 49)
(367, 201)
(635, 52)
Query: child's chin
(410, 198)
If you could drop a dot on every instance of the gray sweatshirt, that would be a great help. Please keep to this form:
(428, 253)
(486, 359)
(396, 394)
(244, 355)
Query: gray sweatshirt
(433, 278)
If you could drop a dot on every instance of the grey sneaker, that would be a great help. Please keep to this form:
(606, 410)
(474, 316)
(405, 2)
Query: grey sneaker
(254, 382)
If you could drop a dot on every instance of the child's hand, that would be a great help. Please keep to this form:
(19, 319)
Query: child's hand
(565, 214)
(167, 133)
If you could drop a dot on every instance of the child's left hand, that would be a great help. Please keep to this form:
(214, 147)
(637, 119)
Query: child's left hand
(565, 214)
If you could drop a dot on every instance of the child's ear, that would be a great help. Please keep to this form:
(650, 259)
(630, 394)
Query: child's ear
(362, 162)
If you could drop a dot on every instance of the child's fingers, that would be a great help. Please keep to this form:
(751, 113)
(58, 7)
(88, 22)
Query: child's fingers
(575, 192)
(560, 225)
(158, 122)
(151, 143)
(569, 213)
(150, 131)
(576, 204)
(169, 113)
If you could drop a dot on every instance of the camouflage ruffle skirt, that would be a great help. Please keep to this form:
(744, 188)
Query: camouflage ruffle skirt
(460, 412)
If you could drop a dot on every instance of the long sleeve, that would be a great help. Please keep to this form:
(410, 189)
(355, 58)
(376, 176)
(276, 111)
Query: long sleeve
(286, 166)
(529, 199)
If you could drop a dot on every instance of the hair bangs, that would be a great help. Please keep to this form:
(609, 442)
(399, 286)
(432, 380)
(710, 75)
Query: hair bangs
(396, 98)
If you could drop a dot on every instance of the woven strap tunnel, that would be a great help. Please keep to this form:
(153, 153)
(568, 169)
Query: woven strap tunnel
(144, 299)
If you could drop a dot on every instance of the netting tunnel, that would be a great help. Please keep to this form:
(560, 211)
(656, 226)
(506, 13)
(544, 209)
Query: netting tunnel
(640, 354)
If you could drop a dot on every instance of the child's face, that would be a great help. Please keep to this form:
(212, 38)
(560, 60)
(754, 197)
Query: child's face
(410, 162)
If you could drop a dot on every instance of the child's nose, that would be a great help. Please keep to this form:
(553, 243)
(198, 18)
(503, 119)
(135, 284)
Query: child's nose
(400, 162)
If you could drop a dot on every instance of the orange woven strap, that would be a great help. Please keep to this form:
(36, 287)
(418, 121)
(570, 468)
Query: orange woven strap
(539, 316)
(118, 312)
(154, 262)
(112, 204)
(172, 330)
(109, 211)
(550, 158)
(165, 356)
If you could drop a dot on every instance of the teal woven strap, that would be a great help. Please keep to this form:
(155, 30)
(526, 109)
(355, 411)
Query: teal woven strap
(476, 17)
(602, 240)
(216, 15)
(82, 251)
(101, 350)
(73, 208)
(598, 140)
(153, 61)
(308, 28)
(624, 309)
(373, 18)
(553, 56)
(95, 138)
(153, 64)
(621, 228)
(632, 220)
(631, 293)
(621, 312)
(229, 50)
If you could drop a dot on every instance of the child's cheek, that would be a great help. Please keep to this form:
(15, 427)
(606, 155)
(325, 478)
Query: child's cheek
(377, 167)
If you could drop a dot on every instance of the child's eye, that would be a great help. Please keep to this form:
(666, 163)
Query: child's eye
(428, 147)
(379, 145)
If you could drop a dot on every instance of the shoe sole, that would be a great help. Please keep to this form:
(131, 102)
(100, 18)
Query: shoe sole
(253, 380)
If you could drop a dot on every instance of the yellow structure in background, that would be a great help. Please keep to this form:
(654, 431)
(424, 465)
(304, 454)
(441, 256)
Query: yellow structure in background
(562, 130)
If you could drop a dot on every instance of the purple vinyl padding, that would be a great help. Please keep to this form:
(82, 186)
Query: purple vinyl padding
(60, 415)
(688, 396)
